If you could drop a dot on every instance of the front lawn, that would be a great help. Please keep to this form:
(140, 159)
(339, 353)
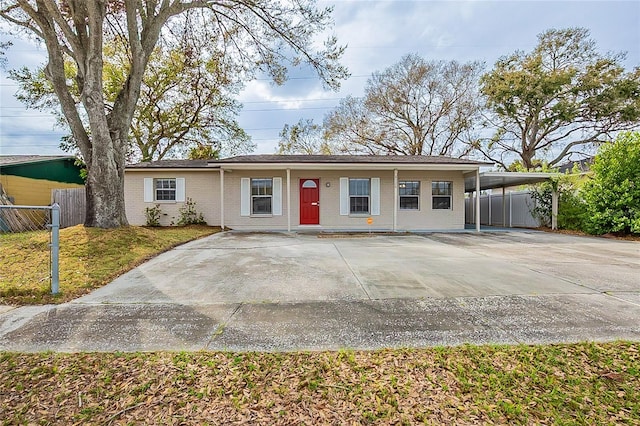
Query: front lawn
(89, 258)
(584, 383)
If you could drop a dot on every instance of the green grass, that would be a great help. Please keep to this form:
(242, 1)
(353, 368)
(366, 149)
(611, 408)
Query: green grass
(89, 258)
(584, 383)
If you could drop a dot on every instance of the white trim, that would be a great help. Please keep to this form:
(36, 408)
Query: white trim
(348, 166)
(344, 196)
(222, 199)
(148, 190)
(180, 190)
(276, 206)
(168, 169)
(375, 196)
(396, 200)
(288, 200)
(245, 196)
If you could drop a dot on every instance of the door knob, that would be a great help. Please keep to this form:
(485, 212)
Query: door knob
(315, 204)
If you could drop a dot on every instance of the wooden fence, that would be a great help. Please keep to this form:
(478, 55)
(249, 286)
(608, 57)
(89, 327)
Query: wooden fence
(72, 205)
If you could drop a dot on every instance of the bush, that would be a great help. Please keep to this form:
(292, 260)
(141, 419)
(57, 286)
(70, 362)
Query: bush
(612, 196)
(571, 211)
(189, 215)
(571, 207)
(152, 215)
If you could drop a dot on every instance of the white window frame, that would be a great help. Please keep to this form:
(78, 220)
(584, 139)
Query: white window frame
(437, 194)
(151, 190)
(367, 196)
(254, 196)
(374, 197)
(246, 197)
(401, 196)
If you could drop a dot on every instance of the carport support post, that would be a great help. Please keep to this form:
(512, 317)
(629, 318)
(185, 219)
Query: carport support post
(288, 200)
(395, 198)
(504, 210)
(222, 198)
(478, 200)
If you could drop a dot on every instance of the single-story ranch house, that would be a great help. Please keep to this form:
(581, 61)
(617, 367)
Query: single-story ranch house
(298, 192)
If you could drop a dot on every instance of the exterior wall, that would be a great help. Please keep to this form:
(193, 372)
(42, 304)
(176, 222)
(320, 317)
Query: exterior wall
(330, 219)
(31, 192)
(232, 218)
(426, 218)
(203, 187)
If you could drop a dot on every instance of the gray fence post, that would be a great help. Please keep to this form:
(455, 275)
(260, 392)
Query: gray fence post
(55, 248)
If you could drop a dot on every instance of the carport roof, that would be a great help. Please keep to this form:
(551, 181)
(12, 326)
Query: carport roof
(491, 180)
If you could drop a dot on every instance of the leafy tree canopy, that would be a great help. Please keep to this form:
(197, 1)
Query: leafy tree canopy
(558, 99)
(185, 100)
(304, 137)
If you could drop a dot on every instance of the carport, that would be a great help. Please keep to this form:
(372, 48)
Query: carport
(481, 181)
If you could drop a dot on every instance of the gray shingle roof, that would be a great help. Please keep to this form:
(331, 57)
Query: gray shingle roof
(171, 164)
(302, 159)
(372, 159)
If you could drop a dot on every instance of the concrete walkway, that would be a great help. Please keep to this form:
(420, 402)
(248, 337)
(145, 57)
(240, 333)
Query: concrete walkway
(242, 291)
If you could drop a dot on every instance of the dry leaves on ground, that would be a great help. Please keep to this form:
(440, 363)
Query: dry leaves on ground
(583, 383)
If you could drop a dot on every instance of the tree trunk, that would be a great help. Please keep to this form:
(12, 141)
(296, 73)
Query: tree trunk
(105, 189)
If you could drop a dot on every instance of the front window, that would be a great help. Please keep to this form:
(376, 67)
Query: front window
(409, 192)
(165, 189)
(261, 196)
(441, 195)
(359, 192)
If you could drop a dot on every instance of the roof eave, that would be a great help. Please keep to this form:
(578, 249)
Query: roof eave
(349, 166)
(170, 169)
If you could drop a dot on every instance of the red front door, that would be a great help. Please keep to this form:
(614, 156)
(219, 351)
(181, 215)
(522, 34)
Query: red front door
(309, 201)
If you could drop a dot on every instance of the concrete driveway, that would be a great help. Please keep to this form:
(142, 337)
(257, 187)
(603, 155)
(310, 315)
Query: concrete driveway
(249, 291)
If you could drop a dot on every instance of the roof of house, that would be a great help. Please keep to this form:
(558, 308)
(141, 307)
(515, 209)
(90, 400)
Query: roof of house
(171, 164)
(583, 165)
(266, 159)
(13, 160)
(371, 159)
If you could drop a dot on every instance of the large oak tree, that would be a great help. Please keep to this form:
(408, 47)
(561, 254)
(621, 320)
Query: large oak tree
(264, 35)
(414, 107)
(557, 100)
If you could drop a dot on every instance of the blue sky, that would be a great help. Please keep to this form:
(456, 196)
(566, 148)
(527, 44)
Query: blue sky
(378, 34)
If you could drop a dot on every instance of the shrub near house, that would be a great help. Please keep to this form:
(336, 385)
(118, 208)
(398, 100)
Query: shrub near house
(612, 196)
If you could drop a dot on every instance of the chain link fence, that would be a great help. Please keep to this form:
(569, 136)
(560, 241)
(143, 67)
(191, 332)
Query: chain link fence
(36, 229)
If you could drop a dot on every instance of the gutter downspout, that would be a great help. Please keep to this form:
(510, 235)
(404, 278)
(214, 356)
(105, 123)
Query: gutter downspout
(504, 210)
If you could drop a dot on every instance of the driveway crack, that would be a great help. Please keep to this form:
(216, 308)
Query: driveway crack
(353, 273)
(222, 326)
